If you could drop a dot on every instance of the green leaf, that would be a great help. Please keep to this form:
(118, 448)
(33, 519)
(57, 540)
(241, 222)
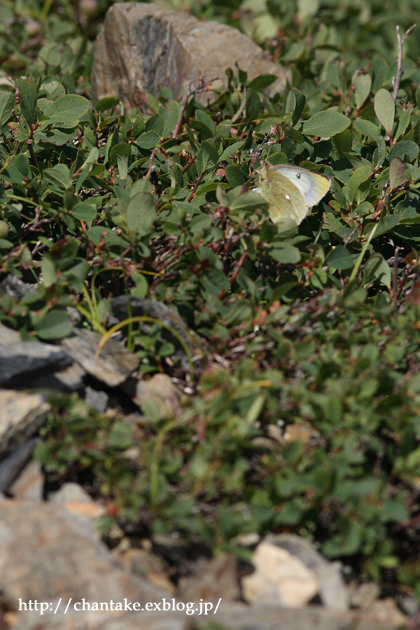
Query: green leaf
(49, 274)
(207, 157)
(385, 109)
(29, 95)
(231, 150)
(122, 149)
(53, 136)
(234, 175)
(253, 105)
(207, 120)
(380, 73)
(148, 140)
(247, 201)
(120, 437)
(386, 224)
(285, 253)
(326, 124)
(376, 268)
(18, 169)
(360, 175)
(141, 213)
(68, 107)
(7, 103)
(406, 149)
(362, 86)
(171, 115)
(403, 122)
(84, 211)
(58, 176)
(54, 325)
(397, 168)
(262, 81)
(109, 102)
(300, 102)
(340, 258)
(367, 128)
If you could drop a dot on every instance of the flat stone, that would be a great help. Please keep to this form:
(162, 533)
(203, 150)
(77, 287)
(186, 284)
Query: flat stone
(147, 565)
(96, 399)
(30, 483)
(68, 380)
(212, 580)
(332, 589)
(23, 358)
(363, 595)
(46, 553)
(163, 48)
(21, 416)
(8, 335)
(12, 465)
(112, 365)
(73, 498)
(279, 578)
(159, 391)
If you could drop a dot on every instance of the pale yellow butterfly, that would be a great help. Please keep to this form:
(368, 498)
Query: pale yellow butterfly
(291, 190)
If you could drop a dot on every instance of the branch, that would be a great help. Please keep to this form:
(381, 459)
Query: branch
(397, 79)
(257, 153)
(202, 86)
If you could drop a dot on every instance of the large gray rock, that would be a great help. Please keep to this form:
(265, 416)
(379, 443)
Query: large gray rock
(47, 553)
(143, 47)
(112, 364)
(20, 359)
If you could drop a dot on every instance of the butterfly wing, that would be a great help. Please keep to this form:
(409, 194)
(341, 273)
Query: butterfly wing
(313, 186)
(284, 198)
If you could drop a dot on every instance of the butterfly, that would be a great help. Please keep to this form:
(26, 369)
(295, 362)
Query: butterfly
(291, 190)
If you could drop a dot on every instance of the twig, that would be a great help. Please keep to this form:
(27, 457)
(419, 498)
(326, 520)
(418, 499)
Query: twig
(397, 79)
(202, 86)
(196, 185)
(257, 153)
(347, 112)
(238, 267)
(152, 157)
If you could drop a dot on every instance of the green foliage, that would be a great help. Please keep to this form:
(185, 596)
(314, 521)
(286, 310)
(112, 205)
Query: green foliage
(315, 325)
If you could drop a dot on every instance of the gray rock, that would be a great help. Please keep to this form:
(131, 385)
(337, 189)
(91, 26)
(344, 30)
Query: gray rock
(160, 392)
(46, 553)
(143, 47)
(11, 465)
(332, 590)
(363, 595)
(14, 287)
(8, 335)
(70, 493)
(125, 306)
(21, 416)
(279, 579)
(96, 399)
(75, 500)
(23, 358)
(111, 365)
(146, 564)
(68, 380)
(211, 580)
(30, 483)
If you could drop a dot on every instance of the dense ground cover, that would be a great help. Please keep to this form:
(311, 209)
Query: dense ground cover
(316, 325)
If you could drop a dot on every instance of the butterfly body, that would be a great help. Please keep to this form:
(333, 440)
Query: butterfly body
(291, 190)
